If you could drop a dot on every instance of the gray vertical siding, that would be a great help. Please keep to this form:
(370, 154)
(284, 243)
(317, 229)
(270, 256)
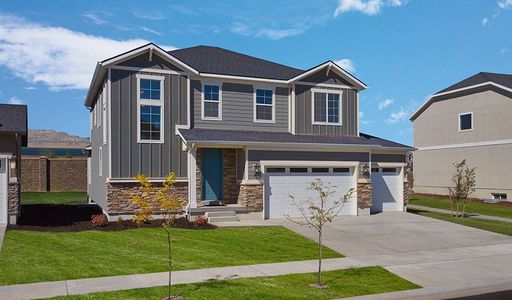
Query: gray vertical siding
(155, 160)
(238, 109)
(142, 61)
(331, 78)
(303, 114)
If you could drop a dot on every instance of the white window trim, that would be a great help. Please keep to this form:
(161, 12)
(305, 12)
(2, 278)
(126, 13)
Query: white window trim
(462, 114)
(273, 104)
(219, 117)
(152, 103)
(326, 91)
(100, 161)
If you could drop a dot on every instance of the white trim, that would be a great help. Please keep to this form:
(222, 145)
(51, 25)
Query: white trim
(463, 114)
(129, 180)
(244, 78)
(427, 102)
(189, 117)
(466, 145)
(327, 92)
(148, 70)
(109, 108)
(154, 47)
(334, 67)
(293, 109)
(192, 196)
(160, 103)
(219, 117)
(255, 88)
(325, 85)
(307, 163)
(246, 170)
(357, 114)
(387, 165)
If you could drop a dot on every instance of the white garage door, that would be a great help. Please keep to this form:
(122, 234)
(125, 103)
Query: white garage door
(3, 191)
(387, 190)
(282, 182)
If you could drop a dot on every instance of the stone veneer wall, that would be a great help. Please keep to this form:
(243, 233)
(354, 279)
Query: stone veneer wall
(119, 195)
(13, 196)
(364, 195)
(199, 177)
(251, 196)
(43, 174)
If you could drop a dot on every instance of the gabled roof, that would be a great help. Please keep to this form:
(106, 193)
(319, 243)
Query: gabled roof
(14, 119)
(218, 62)
(220, 136)
(215, 60)
(474, 83)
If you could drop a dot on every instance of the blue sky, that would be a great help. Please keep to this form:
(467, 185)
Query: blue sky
(404, 50)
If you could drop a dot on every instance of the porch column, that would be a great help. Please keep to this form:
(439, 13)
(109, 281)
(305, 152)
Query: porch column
(192, 203)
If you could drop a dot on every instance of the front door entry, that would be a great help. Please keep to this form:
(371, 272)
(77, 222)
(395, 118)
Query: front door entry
(211, 168)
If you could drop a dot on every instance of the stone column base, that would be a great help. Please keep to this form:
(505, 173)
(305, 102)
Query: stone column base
(251, 196)
(13, 204)
(364, 197)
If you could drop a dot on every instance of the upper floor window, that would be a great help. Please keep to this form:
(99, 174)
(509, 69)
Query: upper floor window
(211, 102)
(327, 107)
(466, 121)
(264, 109)
(150, 91)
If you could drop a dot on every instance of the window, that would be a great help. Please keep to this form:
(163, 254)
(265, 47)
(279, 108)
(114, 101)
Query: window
(298, 170)
(375, 170)
(100, 161)
(264, 105)
(499, 196)
(389, 170)
(341, 170)
(320, 170)
(211, 104)
(327, 108)
(465, 121)
(275, 170)
(150, 108)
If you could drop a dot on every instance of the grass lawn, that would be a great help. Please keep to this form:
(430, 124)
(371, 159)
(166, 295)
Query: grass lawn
(490, 225)
(342, 283)
(53, 198)
(488, 209)
(31, 256)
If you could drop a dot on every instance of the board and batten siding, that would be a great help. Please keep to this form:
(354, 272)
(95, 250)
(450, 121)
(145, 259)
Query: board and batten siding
(238, 108)
(130, 158)
(303, 114)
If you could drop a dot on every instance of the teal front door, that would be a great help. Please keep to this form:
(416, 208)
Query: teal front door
(211, 168)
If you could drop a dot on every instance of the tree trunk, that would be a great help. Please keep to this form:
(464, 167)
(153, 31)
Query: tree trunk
(451, 206)
(169, 248)
(319, 275)
(457, 205)
(463, 208)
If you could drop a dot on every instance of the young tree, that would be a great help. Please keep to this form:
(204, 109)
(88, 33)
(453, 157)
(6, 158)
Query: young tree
(159, 201)
(315, 213)
(464, 181)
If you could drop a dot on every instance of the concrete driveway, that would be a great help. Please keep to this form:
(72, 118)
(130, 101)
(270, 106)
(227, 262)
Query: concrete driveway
(426, 251)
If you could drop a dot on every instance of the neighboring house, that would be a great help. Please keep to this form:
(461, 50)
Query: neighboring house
(236, 130)
(468, 120)
(13, 135)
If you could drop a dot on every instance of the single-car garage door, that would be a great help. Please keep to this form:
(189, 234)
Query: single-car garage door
(3, 191)
(387, 190)
(280, 182)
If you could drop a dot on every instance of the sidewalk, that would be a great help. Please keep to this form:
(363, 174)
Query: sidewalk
(445, 211)
(116, 283)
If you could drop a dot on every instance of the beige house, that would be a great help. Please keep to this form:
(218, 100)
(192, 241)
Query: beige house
(469, 120)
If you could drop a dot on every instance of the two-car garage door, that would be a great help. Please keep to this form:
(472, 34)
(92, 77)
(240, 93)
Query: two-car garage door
(281, 182)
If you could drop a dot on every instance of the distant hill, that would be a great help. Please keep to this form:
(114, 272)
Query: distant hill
(45, 138)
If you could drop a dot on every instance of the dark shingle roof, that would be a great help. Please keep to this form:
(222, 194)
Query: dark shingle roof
(13, 118)
(218, 135)
(482, 77)
(207, 59)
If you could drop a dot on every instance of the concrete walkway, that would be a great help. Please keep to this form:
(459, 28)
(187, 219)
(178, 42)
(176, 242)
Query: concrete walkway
(472, 215)
(2, 234)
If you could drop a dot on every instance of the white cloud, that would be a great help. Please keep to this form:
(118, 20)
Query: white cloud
(271, 33)
(397, 116)
(361, 114)
(385, 103)
(505, 4)
(146, 29)
(368, 7)
(504, 51)
(149, 15)
(15, 100)
(30, 88)
(55, 56)
(346, 64)
(95, 18)
(485, 21)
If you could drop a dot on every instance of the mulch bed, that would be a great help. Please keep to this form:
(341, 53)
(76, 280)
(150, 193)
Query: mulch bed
(74, 218)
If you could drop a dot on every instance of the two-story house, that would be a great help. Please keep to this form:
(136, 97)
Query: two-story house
(13, 136)
(237, 130)
(468, 120)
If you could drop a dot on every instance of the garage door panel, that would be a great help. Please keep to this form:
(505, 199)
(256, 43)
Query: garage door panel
(387, 191)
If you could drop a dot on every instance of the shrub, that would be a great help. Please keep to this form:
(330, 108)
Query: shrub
(201, 221)
(99, 220)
